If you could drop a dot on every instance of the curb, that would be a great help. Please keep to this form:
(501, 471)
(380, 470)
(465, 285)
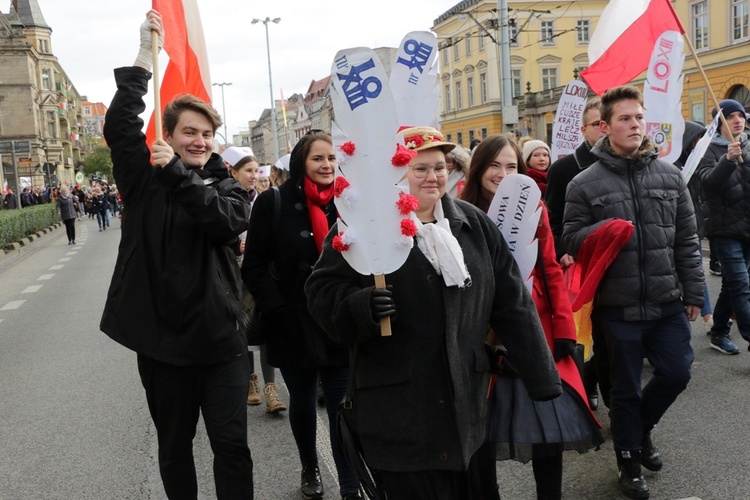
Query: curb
(22, 246)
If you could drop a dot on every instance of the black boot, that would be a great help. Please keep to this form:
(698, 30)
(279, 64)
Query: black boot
(312, 485)
(631, 480)
(650, 457)
(590, 381)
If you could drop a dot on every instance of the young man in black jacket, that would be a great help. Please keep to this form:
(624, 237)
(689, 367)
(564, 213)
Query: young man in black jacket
(175, 293)
(654, 286)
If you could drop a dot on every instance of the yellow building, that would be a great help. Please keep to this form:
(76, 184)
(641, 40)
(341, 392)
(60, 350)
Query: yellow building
(720, 32)
(549, 43)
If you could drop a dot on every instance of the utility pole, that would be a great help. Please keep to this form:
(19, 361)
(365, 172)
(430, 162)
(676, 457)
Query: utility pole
(510, 112)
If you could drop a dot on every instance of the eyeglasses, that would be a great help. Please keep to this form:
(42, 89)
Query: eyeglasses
(422, 170)
(594, 124)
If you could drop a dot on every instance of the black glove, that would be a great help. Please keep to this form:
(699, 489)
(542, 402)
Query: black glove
(382, 303)
(563, 348)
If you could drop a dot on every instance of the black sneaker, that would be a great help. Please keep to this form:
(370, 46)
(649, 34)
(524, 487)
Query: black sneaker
(631, 481)
(714, 268)
(650, 457)
(312, 484)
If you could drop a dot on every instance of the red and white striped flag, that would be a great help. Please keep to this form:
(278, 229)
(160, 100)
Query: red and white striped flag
(621, 46)
(187, 71)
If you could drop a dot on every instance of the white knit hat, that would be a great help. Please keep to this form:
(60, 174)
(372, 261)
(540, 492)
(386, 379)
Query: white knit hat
(530, 146)
(234, 154)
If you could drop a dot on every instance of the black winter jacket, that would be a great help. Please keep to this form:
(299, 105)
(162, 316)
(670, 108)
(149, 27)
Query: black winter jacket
(560, 174)
(420, 395)
(660, 263)
(726, 190)
(175, 291)
(275, 275)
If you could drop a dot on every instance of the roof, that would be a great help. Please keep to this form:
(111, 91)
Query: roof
(29, 13)
(459, 7)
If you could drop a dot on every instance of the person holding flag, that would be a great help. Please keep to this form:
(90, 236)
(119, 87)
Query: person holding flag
(651, 289)
(725, 183)
(175, 292)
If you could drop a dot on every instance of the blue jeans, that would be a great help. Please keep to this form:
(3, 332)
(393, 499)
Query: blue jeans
(303, 395)
(706, 309)
(665, 343)
(734, 257)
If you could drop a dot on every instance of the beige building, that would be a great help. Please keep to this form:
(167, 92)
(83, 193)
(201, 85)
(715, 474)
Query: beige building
(39, 106)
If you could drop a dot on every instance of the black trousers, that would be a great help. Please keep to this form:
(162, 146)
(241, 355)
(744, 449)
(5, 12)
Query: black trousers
(70, 229)
(176, 395)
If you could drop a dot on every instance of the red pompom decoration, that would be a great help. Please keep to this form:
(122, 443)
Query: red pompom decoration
(416, 139)
(348, 148)
(339, 185)
(338, 243)
(403, 156)
(406, 203)
(408, 228)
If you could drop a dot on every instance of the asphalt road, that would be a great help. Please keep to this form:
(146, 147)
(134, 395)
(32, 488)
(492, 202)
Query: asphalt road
(74, 422)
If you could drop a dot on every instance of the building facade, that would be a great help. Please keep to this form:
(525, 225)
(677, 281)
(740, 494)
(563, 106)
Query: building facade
(40, 108)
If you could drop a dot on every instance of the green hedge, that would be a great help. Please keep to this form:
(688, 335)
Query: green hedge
(16, 224)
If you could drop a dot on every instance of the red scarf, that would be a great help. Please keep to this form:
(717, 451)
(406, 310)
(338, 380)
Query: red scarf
(540, 176)
(316, 199)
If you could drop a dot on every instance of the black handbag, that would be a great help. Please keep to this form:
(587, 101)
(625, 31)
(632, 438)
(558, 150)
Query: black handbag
(253, 323)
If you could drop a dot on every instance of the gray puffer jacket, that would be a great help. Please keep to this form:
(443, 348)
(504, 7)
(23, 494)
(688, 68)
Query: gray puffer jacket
(661, 261)
(726, 189)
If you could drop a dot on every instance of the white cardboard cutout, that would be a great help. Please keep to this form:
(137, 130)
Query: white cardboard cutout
(414, 80)
(515, 211)
(566, 131)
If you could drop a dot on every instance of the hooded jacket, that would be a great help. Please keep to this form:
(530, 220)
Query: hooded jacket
(660, 264)
(693, 131)
(726, 189)
(278, 261)
(175, 291)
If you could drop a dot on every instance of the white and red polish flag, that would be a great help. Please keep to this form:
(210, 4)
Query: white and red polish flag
(187, 70)
(621, 46)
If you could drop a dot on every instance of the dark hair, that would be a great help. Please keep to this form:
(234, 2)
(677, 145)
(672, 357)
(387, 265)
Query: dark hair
(593, 103)
(188, 102)
(615, 95)
(244, 161)
(302, 149)
(483, 155)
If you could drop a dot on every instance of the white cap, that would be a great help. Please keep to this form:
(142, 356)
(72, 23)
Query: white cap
(233, 155)
(283, 162)
(264, 171)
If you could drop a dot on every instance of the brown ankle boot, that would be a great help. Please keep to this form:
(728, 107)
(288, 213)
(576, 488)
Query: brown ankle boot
(253, 393)
(273, 403)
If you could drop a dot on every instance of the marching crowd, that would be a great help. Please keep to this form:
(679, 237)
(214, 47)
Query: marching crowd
(478, 367)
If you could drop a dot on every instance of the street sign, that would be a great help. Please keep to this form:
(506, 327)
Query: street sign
(79, 177)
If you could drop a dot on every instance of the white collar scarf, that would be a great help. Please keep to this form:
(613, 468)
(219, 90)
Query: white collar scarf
(437, 243)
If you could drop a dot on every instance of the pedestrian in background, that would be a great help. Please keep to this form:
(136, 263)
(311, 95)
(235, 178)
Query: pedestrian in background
(67, 209)
(175, 292)
(458, 170)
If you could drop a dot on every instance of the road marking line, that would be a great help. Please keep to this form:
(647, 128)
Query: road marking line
(76, 248)
(14, 304)
(57, 267)
(71, 253)
(45, 277)
(32, 289)
(64, 259)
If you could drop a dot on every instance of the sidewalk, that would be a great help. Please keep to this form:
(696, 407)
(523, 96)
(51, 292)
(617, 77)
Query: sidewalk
(27, 244)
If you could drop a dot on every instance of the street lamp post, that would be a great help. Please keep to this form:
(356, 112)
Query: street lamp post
(270, 84)
(223, 108)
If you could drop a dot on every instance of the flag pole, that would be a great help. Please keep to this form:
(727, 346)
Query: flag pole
(703, 75)
(157, 85)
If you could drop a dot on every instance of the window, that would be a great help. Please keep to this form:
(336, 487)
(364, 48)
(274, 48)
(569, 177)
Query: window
(471, 136)
(456, 55)
(699, 16)
(468, 44)
(549, 78)
(87, 111)
(582, 27)
(481, 40)
(459, 96)
(470, 90)
(447, 97)
(740, 20)
(516, 78)
(483, 88)
(43, 46)
(448, 138)
(548, 32)
(484, 132)
(46, 80)
(445, 56)
(51, 124)
(460, 138)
